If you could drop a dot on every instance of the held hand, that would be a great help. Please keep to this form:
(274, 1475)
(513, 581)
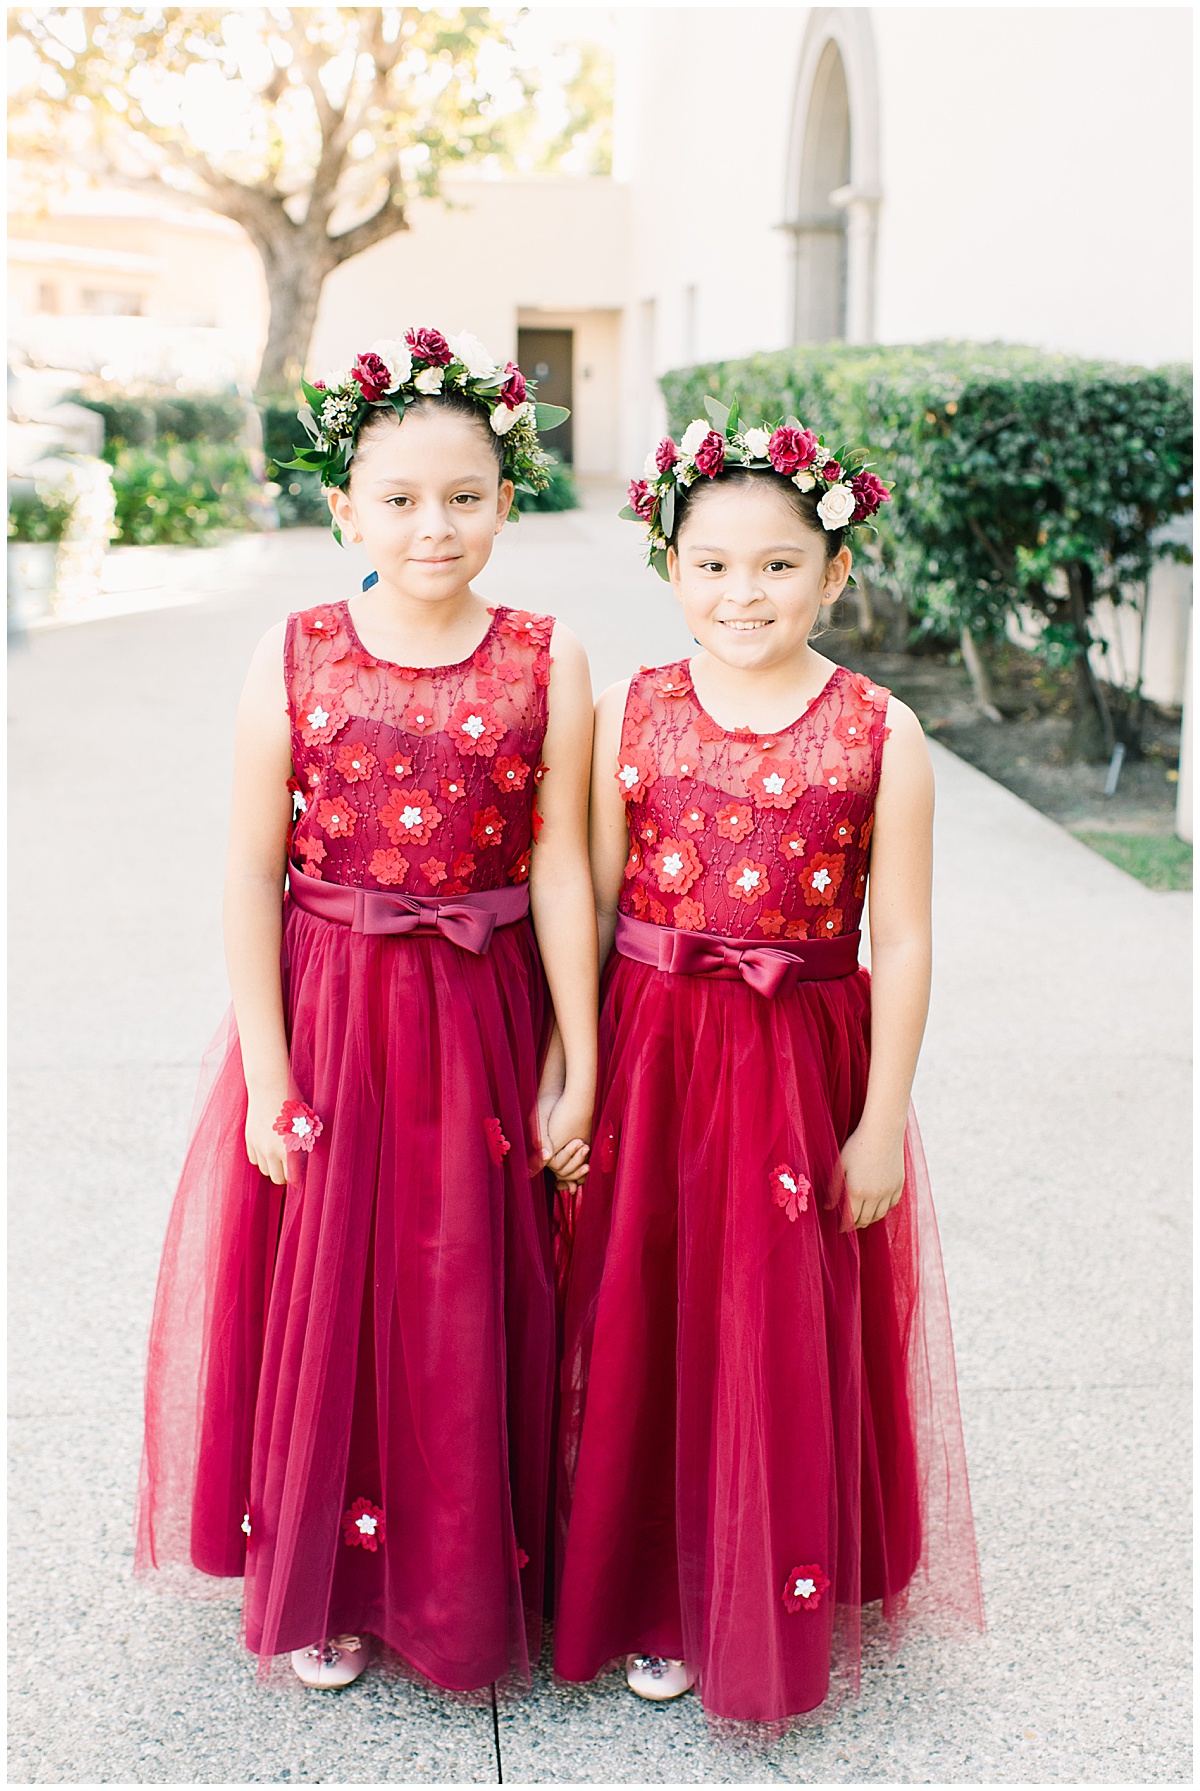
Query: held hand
(264, 1146)
(566, 1127)
(874, 1172)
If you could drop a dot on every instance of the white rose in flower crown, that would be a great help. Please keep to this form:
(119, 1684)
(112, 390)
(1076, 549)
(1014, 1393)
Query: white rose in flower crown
(693, 435)
(837, 506)
(650, 468)
(756, 442)
(803, 480)
(474, 356)
(502, 419)
(429, 381)
(396, 357)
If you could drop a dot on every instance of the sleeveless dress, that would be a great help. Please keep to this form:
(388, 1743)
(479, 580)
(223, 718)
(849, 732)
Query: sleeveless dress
(759, 1424)
(350, 1380)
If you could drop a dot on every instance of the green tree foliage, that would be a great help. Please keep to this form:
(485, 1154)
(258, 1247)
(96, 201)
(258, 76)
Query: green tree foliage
(311, 126)
(1025, 481)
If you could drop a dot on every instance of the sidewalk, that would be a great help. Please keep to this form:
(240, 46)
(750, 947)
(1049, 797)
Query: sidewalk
(1053, 1099)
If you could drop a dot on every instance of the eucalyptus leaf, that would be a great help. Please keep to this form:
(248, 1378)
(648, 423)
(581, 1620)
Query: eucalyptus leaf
(666, 512)
(658, 559)
(549, 416)
(717, 413)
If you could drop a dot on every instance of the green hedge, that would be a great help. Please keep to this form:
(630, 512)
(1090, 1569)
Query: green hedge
(142, 419)
(182, 494)
(1022, 478)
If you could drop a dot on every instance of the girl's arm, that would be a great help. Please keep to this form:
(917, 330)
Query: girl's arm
(901, 949)
(564, 918)
(258, 833)
(609, 828)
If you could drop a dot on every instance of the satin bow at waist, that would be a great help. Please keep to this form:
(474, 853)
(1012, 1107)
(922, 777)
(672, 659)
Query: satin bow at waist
(767, 968)
(465, 920)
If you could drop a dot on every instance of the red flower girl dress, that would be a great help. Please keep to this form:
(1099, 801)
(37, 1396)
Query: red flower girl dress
(760, 1428)
(350, 1379)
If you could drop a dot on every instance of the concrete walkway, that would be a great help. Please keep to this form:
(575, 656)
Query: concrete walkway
(1053, 1097)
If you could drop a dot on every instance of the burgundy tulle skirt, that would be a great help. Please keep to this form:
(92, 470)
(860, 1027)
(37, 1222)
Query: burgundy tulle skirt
(759, 1429)
(382, 1330)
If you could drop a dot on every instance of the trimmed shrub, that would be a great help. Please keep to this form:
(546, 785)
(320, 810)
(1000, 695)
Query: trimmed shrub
(40, 515)
(182, 494)
(139, 420)
(562, 493)
(1025, 481)
(300, 501)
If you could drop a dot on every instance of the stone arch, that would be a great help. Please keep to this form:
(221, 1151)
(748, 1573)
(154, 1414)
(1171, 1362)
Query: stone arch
(833, 178)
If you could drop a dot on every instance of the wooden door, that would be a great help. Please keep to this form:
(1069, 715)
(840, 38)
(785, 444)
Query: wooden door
(546, 356)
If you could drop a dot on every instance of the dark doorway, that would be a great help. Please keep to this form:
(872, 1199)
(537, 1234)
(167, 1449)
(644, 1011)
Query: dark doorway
(545, 356)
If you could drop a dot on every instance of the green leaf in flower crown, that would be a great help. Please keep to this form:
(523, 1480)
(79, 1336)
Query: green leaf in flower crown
(628, 515)
(666, 511)
(549, 416)
(718, 414)
(313, 398)
(658, 560)
(398, 401)
(731, 422)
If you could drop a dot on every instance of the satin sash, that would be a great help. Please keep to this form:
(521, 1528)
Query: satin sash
(465, 920)
(767, 967)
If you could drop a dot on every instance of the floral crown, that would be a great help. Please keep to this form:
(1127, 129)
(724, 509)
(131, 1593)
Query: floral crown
(850, 494)
(423, 364)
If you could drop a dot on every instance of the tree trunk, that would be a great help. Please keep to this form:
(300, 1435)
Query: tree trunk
(977, 671)
(1092, 733)
(295, 274)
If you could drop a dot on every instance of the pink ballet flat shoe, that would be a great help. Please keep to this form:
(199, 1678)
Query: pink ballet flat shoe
(659, 1680)
(331, 1664)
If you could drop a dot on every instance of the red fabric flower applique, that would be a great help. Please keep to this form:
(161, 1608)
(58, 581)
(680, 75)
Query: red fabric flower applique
(797, 929)
(510, 773)
(676, 864)
(354, 761)
(830, 925)
(790, 1190)
(868, 827)
(319, 720)
(689, 916)
(320, 622)
(735, 821)
(633, 863)
(312, 851)
(747, 881)
(434, 871)
(656, 914)
(388, 866)
(693, 819)
(866, 690)
(770, 922)
(850, 729)
(522, 1558)
(633, 775)
(684, 769)
(537, 821)
(312, 776)
(400, 765)
(454, 788)
(843, 833)
(523, 625)
(539, 772)
(648, 833)
(673, 682)
(822, 878)
(475, 727)
(636, 707)
(487, 828)
(337, 818)
(418, 718)
(362, 1526)
(793, 845)
(464, 865)
(298, 1126)
(775, 783)
(804, 1588)
(860, 882)
(409, 817)
(638, 901)
(488, 687)
(497, 1143)
(507, 670)
(519, 872)
(708, 729)
(541, 668)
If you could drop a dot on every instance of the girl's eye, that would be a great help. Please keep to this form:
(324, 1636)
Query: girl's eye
(779, 565)
(397, 501)
(712, 566)
(466, 497)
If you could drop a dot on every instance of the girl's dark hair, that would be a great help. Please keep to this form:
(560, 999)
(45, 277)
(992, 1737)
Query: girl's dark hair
(459, 402)
(804, 503)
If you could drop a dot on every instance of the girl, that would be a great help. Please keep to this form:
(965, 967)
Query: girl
(351, 1361)
(759, 1428)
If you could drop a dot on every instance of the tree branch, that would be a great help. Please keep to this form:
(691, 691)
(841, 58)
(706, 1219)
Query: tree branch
(389, 220)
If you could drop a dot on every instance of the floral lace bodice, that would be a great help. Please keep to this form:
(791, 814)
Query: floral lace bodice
(756, 836)
(416, 779)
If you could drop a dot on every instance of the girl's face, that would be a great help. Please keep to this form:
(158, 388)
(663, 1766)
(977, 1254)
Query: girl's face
(426, 500)
(751, 575)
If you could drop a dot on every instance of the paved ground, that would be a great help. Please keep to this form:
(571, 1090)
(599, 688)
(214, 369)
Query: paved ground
(1053, 1099)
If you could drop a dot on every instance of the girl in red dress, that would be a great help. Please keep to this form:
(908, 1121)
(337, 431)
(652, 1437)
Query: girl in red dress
(760, 1431)
(349, 1396)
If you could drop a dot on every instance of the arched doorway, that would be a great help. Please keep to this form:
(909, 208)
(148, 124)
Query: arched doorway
(820, 224)
(833, 179)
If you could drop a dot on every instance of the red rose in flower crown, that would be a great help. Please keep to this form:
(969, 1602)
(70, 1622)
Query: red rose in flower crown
(430, 346)
(790, 449)
(373, 375)
(870, 493)
(831, 472)
(710, 455)
(514, 391)
(665, 455)
(641, 499)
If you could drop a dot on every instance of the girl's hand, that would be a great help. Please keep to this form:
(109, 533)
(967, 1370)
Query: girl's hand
(264, 1146)
(874, 1172)
(566, 1126)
